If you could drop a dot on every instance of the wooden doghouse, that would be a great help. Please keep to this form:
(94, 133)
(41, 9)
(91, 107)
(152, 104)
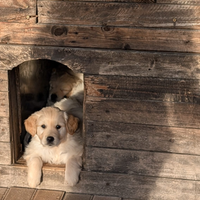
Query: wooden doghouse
(141, 66)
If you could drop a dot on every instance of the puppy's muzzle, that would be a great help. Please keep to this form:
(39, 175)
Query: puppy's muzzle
(50, 140)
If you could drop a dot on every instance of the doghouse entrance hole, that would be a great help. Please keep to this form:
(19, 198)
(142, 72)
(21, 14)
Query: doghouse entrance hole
(28, 92)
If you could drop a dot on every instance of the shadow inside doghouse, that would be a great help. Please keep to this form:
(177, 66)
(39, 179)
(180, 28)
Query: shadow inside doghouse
(33, 88)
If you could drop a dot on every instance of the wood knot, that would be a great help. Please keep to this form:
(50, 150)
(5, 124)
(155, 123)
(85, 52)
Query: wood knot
(171, 140)
(59, 30)
(6, 39)
(126, 47)
(106, 28)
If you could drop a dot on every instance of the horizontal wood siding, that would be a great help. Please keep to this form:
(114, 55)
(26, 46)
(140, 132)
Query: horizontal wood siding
(143, 163)
(189, 2)
(128, 1)
(143, 88)
(143, 112)
(119, 14)
(142, 137)
(97, 37)
(107, 62)
(20, 11)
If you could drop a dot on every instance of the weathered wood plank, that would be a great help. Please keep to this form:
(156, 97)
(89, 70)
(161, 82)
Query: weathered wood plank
(4, 110)
(48, 194)
(5, 153)
(3, 81)
(142, 137)
(14, 114)
(143, 112)
(3, 75)
(4, 98)
(4, 104)
(121, 185)
(119, 14)
(131, 1)
(97, 37)
(4, 129)
(3, 86)
(143, 163)
(20, 11)
(140, 88)
(191, 2)
(106, 62)
(20, 193)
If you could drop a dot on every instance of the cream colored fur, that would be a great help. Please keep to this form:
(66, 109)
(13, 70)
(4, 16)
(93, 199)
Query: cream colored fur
(69, 84)
(66, 148)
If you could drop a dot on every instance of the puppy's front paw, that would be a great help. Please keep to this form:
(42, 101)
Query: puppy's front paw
(72, 171)
(33, 182)
(34, 179)
(71, 179)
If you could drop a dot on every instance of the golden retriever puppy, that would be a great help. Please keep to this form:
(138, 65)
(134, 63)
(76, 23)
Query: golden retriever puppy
(56, 138)
(65, 85)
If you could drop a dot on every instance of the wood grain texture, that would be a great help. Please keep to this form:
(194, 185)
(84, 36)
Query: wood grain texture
(4, 129)
(105, 62)
(142, 137)
(97, 37)
(190, 2)
(140, 88)
(20, 11)
(128, 1)
(142, 163)
(14, 115)
(3, 75)
(5, 153)
(109, 184)
(119, 14)
(143, 112)
(3, 81)
(4, 104)
(3, 86)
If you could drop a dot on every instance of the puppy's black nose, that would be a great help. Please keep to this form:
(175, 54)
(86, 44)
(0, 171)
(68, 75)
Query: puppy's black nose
(54, 97)
(50, 139)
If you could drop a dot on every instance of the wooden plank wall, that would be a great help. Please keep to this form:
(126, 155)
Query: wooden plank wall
(141, 64)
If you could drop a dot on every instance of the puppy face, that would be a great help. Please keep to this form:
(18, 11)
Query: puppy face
(61, 87)
(51, 125)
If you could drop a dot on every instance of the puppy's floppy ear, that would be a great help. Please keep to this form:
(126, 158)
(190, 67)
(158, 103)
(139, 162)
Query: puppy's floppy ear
(72, 124)
(30, 124)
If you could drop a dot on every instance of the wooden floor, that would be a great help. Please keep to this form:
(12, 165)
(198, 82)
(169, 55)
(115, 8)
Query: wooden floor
(17, 193)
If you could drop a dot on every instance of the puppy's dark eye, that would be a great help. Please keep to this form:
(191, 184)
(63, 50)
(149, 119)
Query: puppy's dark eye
(43, 126)
(58, 127)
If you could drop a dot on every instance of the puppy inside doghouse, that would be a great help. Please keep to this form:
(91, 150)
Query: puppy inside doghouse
(57, 129)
